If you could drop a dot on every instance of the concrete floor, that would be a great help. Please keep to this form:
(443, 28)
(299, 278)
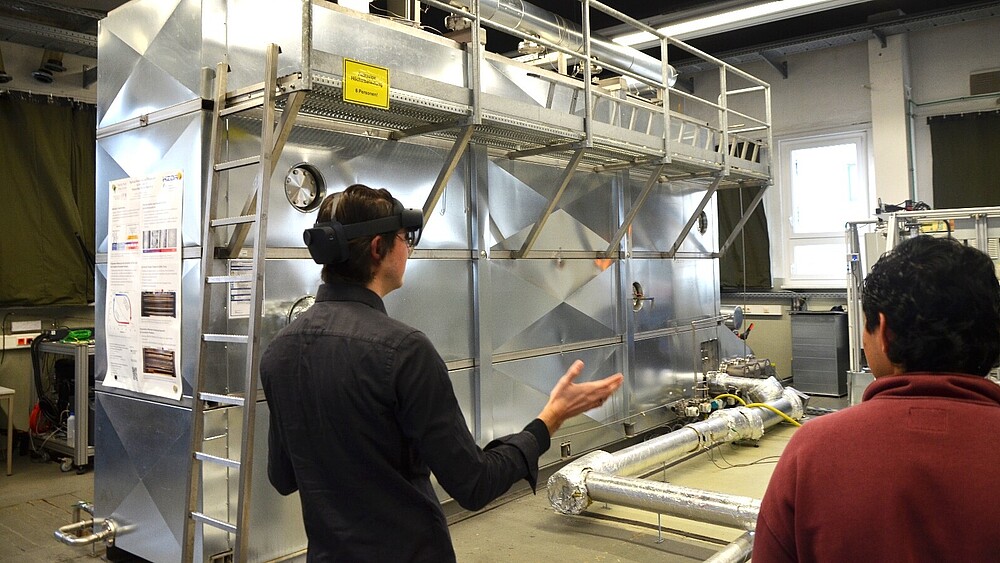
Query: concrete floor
(38, 498)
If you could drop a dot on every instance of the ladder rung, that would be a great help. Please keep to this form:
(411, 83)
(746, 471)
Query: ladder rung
(234, 400)
(224, 221)
(230, 279)
(232, 338)
(238, 163)
(205, 519)
(242, 106)
(230, 463)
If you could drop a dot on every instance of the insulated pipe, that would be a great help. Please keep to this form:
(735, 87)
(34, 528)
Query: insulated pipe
(733, 511)
(568, 487)
(736, 552)
(530, 19)
(759, 390)
(723, 426)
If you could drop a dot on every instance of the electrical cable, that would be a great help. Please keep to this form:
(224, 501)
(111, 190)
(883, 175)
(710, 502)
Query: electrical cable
(777, 412)
(730, 395)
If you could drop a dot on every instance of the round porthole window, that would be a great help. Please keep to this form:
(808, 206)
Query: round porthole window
(304, 187)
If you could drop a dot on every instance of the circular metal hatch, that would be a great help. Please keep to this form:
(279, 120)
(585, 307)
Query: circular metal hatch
(304, 187)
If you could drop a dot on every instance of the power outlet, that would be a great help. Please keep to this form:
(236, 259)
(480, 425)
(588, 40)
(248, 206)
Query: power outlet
(13, 341)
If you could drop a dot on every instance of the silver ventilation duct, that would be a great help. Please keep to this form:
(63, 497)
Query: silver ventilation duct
(530, 19)
(569, 487)
(604, 477)
(655, 496)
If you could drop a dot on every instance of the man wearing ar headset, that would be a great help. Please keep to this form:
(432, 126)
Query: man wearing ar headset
(362, 408)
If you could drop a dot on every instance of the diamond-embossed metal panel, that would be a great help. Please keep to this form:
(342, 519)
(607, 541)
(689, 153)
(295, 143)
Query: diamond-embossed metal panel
(540, 302)
(520, 388)
(520, 191)
(140, 473)
(155, 65)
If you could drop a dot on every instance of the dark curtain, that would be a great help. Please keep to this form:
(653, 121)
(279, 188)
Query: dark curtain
(749, 256)
(47, 188)
(966, 153)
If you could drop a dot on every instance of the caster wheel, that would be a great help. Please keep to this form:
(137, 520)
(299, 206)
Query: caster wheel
(66, 465)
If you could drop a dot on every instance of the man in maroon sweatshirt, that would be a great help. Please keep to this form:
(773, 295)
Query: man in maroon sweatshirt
(908, 474)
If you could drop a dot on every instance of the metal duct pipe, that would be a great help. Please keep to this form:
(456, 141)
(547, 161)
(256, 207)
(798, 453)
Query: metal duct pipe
(568, 487)
(736, 552)
(759, 390)
(68, 534)
(722, 426)
(664, 498)
(528, 18)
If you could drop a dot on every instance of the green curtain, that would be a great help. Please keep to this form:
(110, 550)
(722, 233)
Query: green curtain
(47, 189)
(750, 253)
(966, 153)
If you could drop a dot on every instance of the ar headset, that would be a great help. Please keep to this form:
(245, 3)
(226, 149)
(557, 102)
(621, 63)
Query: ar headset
(327, 241)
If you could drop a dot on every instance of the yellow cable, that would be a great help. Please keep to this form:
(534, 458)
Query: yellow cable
(727, 395)
(775, 411)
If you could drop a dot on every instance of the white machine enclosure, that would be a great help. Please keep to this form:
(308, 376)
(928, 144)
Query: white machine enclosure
(507, 328)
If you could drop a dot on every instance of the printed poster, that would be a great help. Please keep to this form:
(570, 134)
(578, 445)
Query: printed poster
(142, 316)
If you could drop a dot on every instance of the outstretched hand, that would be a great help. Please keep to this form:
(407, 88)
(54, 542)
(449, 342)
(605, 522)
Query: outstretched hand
(569, 399)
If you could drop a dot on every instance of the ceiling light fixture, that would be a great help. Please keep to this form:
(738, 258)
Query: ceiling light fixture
(729, 20)
(51, 62)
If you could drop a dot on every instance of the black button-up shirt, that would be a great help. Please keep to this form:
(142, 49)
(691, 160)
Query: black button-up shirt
(362, 410)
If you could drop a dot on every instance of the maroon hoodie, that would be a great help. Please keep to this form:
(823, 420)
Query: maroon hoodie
(910, 474)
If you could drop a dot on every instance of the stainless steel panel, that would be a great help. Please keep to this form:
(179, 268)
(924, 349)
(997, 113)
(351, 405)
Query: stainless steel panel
(158, 64)
(520, 192)
(664, 214)
(541, 303)
(250, 26)
(520, 389)
(682, 291)
(407, 170)
(176, 144)
(286, 283)
(141, 472)
(437, 299)
(364, 38)
(664, 370)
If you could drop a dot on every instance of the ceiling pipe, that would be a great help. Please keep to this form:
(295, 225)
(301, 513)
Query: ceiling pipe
(530, 19)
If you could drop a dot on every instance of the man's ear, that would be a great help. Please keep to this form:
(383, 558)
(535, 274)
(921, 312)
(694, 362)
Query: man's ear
(883, 335)
(373, 249)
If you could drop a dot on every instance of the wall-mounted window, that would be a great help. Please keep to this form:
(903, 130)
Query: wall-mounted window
(822, 184)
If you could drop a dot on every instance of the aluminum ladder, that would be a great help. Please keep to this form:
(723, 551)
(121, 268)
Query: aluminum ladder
(215, 262)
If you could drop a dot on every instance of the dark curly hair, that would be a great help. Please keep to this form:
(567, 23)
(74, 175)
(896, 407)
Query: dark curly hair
(941, 302)
(355, 204)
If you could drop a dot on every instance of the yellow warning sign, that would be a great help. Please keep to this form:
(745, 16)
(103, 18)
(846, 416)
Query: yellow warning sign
(366, 84)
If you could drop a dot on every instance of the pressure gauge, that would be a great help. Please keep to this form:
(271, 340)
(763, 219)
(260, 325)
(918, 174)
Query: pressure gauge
(304, 187)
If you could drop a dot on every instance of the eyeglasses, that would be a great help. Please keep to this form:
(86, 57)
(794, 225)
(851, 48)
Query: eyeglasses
(408, 237)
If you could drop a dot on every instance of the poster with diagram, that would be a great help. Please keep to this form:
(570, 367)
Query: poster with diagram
(142, 316)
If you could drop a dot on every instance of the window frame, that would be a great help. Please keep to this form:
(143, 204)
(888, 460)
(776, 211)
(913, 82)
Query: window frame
(780, 204)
